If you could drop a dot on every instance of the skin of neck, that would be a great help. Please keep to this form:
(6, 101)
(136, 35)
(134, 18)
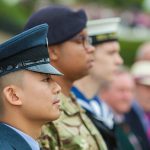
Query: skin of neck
(88, 86)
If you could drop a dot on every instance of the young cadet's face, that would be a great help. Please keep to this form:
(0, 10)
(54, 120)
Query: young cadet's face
(107, 60)
(39, 96)
(76, 56)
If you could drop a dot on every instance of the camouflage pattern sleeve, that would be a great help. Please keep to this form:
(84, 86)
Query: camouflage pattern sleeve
(49, 139)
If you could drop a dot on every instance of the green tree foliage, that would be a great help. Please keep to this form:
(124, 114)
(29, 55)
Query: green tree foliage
(128, 50)
(117, 3)
(13, 17)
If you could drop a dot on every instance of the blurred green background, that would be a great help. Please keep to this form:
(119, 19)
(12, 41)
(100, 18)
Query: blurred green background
(134, 14)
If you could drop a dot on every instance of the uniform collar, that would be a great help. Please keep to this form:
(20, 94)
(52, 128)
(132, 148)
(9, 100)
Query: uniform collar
(69, 104)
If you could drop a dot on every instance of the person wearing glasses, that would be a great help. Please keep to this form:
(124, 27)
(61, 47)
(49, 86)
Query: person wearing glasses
(26, 86)
(70, 51)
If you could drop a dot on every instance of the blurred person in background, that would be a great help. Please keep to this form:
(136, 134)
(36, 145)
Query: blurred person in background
(70, 51)
(119, 94)
(143, 52)
(106, 61)
(139, 116)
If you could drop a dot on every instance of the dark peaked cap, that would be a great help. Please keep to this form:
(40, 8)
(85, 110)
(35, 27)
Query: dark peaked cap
(27, 50)
(64, 23)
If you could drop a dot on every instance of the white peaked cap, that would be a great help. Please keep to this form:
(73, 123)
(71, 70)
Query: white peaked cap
(102, 26)
(141, 72)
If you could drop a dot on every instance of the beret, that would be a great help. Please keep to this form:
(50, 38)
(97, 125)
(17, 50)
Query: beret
(103, 30)
(64, 23)
(27, 50)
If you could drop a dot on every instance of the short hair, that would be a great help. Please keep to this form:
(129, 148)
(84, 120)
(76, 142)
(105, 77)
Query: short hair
(14, 78)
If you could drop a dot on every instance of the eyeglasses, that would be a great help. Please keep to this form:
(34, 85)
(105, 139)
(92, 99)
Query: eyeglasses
(85, 40)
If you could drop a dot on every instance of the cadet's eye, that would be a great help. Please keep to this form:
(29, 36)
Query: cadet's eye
(47, 79)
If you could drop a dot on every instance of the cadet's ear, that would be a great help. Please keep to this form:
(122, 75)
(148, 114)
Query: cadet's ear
(11, 95)
(53, 52)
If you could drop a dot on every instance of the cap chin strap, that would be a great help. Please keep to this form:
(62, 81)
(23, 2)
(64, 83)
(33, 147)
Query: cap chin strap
(102, 38)
(22, 65)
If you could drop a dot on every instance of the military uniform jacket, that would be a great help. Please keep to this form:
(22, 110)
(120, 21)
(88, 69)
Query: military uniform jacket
(72, 131)
(11, 140)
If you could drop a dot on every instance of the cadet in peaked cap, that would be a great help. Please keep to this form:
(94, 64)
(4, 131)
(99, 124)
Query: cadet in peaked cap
(28, 95)
(103, 33)
(28, 50)
(71, 52)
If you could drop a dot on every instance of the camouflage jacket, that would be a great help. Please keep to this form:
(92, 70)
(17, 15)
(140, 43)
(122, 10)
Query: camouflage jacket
(72, 131)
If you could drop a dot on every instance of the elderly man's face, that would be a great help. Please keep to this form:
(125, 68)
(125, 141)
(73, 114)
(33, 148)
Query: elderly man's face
(120, 94)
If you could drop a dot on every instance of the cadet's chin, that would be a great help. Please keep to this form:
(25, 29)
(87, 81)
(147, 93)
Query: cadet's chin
(56, 116)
